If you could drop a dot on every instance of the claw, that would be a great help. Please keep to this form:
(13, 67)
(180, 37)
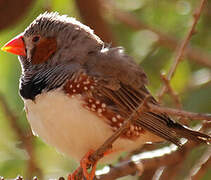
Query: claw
(73, 175)
(85, 162)
(70, 177)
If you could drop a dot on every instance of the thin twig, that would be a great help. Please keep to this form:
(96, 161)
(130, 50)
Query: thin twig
(193, 53)
(175, 97)
(203, 169)
(171, 91)
(148, 163)
(181, 50)
(170, 171)
(148, 174)
(121, 169)
(179, 112)
(201, 166)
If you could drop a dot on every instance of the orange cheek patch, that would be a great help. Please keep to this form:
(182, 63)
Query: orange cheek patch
(44, 49)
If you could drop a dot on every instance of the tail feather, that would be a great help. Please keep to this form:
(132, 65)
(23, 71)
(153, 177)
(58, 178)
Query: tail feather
(190, 134)
(163, 126)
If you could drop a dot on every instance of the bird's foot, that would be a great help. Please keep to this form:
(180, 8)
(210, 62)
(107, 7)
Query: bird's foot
(73, 176)
(87, 164)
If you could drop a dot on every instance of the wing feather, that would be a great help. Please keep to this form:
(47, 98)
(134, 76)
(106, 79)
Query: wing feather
(127, 99)
(122, 83)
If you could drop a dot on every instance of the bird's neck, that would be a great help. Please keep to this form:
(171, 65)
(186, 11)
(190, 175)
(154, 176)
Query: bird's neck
(35, 80)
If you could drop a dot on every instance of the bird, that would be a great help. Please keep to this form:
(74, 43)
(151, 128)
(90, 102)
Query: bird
(78, 90)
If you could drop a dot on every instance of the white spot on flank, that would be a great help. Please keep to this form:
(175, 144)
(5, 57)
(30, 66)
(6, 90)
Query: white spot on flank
(86, 82)
(74, 90)
(87, 107)
(120, 124)
(97, 102)
(93, 109)
(71, 86)
(103, 105)
(99, 110)
(128, 133)
(132, 128)
(118, 116)
(93, 105)
(90, 100)
(85, 88)
(78, 85)
(114, 119)
(114, 128)
(92, 87)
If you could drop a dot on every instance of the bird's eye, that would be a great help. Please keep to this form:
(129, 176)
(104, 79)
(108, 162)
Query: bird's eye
(36, 38)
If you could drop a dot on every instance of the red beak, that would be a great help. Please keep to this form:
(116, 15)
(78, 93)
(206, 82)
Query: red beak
(15, 46)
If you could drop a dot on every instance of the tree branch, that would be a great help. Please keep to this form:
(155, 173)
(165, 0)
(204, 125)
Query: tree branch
(148, 163)
(181, 50)
(193, 53)
(179, 112)
(171, 91)
(201, 166)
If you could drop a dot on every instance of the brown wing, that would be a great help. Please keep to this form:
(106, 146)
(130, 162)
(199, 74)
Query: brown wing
(126, 99)
(121, 84)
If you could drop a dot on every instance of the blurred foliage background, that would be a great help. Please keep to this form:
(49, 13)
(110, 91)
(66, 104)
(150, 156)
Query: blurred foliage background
(146, 44)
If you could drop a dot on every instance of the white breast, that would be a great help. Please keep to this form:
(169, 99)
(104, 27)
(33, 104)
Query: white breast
(64, 123)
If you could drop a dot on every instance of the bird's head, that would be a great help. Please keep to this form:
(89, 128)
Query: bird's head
(53, 39)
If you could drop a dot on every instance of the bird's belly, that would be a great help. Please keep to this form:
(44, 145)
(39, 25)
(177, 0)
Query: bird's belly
(63, 122)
